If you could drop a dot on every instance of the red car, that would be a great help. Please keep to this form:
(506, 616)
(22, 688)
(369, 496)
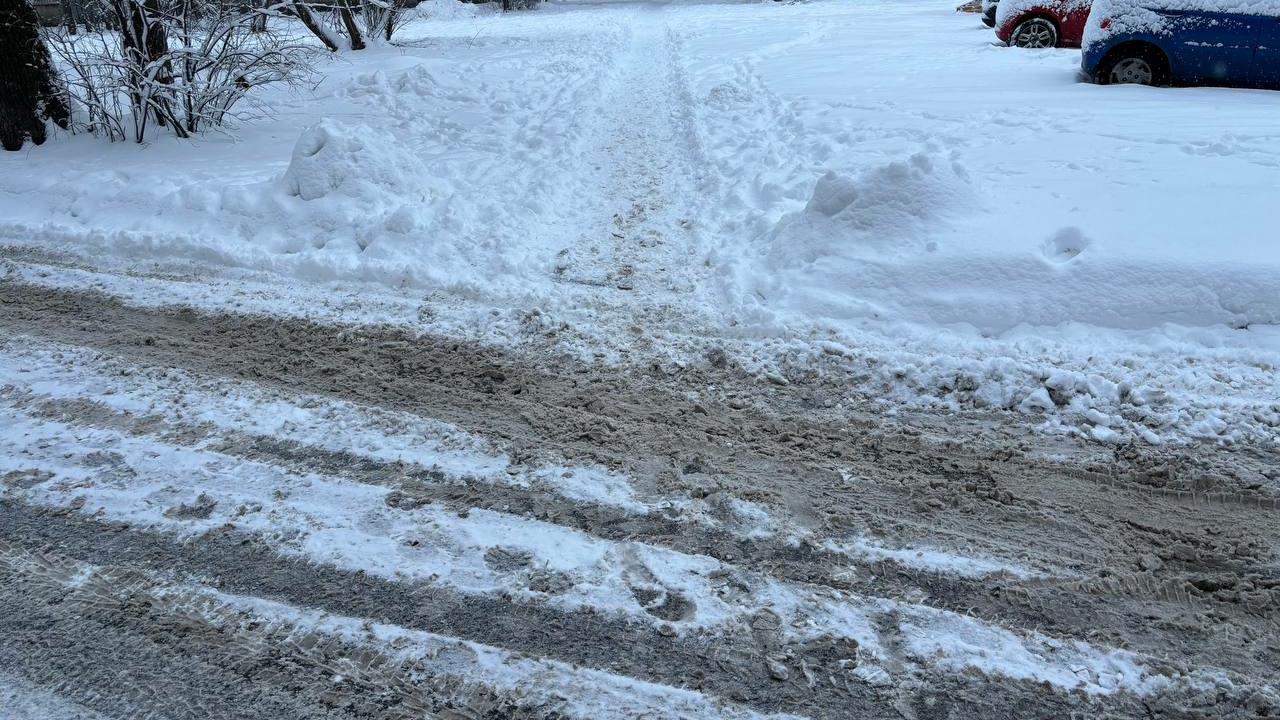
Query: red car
(1042, 23)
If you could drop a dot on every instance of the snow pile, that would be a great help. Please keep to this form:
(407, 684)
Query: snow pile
(825, 258)
(887, 210)
(356, 189)
(351, 161)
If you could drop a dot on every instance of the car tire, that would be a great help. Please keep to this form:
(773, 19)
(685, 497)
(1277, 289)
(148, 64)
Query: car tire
(1035, 32)
(1135, 65)
(989, 18)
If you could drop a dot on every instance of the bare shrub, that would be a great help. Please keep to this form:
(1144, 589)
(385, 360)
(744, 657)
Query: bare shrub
(186, 65)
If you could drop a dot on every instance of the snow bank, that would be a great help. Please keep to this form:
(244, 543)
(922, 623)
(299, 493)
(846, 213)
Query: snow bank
(439, 165)
(1102, 275)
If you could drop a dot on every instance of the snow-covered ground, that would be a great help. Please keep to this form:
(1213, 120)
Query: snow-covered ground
(964, 224)
(665, 268)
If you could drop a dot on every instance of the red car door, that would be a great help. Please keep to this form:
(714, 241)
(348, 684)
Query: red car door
(1073, 21)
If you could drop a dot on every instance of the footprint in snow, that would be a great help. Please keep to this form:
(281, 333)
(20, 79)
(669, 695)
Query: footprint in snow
(654, 597)
(1065, 245)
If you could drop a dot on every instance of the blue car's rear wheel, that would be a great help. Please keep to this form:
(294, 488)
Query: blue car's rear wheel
(1136, 64)
(1132, 70)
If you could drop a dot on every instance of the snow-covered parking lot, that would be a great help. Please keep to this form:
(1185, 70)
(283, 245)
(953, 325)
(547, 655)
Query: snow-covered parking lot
(651, 360)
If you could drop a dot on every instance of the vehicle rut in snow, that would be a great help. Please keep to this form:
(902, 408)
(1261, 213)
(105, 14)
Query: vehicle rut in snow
(340, 521)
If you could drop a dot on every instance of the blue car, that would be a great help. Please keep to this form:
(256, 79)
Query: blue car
(1183, 42)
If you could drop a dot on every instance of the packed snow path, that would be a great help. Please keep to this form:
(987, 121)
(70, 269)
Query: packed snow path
(641, 161)
(650, 360)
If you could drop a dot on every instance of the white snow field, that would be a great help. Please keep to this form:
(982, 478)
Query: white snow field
(965, 225)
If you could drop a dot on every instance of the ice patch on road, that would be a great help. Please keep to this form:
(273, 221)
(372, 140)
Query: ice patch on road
(956, 642)
(929, 559)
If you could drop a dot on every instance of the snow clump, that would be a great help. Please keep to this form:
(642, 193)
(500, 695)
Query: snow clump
(353, 161)
(371, 189)
(886, 210)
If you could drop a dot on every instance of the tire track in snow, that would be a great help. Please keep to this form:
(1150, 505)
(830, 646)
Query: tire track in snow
(730, 666)
(294, 662)
(356, 378)
(740, 428)
(421, 459)
(478, 553)
(848, 444)
(188, 415)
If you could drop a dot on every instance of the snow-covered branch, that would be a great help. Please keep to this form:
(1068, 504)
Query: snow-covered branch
(181, 64)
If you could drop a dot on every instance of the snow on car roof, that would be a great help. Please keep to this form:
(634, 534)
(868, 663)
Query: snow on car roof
(1008, 9)
(1242, 7)
(1143, 16)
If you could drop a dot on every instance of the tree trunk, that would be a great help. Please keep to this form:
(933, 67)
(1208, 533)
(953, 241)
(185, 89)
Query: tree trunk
(393, 15)
(144, 41)
(30, 90)
(309, 20)
(69, 13)
(259, 23)
(349, 20)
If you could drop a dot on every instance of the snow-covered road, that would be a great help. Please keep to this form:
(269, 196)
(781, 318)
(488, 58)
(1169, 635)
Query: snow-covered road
(318, 513)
